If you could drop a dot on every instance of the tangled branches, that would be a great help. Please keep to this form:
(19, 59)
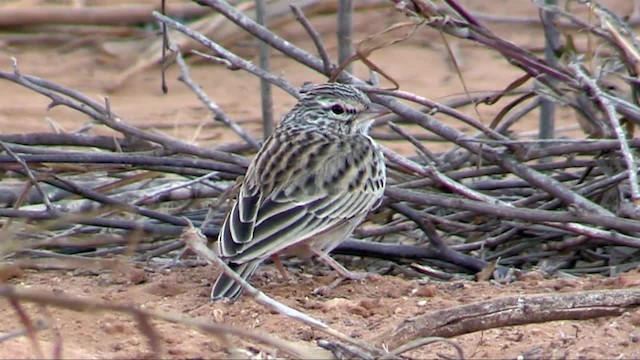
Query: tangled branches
(493, 199)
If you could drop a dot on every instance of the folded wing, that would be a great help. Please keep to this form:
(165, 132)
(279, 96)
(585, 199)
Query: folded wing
(320, 190)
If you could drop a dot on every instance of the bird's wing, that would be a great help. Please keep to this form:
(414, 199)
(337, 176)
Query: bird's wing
(321, 189)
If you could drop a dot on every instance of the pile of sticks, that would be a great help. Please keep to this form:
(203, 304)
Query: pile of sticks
(494, 201)
(560, 204)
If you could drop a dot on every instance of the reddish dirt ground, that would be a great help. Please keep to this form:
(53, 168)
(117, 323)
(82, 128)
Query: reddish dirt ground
(363, 310)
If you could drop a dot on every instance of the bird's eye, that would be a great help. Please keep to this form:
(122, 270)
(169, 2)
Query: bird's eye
(337, 109)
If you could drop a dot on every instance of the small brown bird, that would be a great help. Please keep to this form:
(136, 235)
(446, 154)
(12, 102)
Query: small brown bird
(312, 182)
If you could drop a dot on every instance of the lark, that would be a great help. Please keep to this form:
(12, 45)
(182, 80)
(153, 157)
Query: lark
(313, 181)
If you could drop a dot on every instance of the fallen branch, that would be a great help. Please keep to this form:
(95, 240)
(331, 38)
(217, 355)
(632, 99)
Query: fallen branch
(513, 310)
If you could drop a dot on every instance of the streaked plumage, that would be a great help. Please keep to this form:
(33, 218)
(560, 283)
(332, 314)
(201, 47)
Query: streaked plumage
(312, 182)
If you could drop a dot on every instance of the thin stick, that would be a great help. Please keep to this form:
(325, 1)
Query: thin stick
(155, 339)
(417, 144)
(39, 325)
(31, 177)
(219, 115)
(552, 38)
(414, 344)
(73, 99)
(610, 112)
(117, 14)
(265, 87)
(28, 325)
(128, 159)
(165, 47)
(258, 31)
(315, 37)
(344, 33)
(226, 54)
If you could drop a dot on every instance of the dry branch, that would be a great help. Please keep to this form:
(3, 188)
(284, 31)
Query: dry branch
(513, 310)
(219, 115)
(60, 95)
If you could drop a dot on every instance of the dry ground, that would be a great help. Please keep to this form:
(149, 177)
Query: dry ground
(364, 310)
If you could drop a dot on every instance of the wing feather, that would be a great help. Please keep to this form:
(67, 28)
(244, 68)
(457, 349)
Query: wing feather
(248, 204)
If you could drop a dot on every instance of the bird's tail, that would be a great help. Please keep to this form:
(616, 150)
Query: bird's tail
(226, 288)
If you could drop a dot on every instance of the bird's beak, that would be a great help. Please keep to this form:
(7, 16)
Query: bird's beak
(374, 111)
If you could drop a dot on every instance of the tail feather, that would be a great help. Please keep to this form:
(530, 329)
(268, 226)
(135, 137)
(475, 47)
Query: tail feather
(226, 288)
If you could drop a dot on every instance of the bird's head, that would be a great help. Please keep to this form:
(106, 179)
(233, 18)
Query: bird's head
(335, 106)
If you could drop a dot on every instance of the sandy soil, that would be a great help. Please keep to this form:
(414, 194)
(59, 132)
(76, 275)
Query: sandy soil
(364, 310)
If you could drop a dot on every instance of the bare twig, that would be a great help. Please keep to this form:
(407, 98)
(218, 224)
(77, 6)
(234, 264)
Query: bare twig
(344, 33)
(61, 95)
(415, 344)
(610, 112)
(218, 114)
(315, 37)
(39, 325)
(552, 39)
(224, 53)
(265, 87)
(29, 326)
(417, 144)
(32, 179)
(128, 159)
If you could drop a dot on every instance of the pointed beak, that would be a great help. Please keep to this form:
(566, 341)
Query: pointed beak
(374, 111)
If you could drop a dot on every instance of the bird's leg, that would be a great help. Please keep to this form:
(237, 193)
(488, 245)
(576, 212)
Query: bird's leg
(328, 260)
(344, 273)
(283, 272)
(183, 254)
(324, 290)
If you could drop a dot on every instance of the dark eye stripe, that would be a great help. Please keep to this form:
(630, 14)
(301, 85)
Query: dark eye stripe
(339, 109)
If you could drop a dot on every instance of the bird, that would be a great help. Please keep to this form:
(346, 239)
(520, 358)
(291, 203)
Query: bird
(314, 180)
